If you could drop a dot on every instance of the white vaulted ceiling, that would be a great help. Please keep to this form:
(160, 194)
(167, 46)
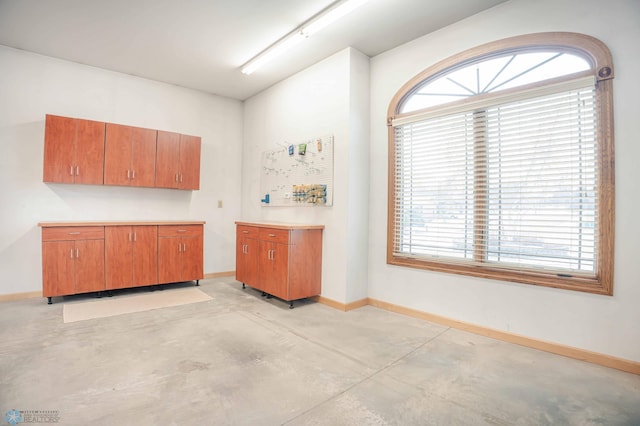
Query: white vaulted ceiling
(201, 44)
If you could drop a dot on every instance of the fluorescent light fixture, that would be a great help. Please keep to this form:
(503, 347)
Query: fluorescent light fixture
(329, 15)
(273, 51)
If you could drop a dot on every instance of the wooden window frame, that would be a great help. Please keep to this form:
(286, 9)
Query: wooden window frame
(599, 57)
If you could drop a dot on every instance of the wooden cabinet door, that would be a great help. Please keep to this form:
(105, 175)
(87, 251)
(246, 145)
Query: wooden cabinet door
(274, 264)
(59, 149)
(241, 259)
(167, 159)
(89, 156)
(189, 162)
(247, 261)
(89, 265)
(143, 157)
(58, 276)
(117, 155)
(145, 255)
(192, 261)
(118, 257)
(279, 281)
(265, 267)
(169, 251)
(130, 156)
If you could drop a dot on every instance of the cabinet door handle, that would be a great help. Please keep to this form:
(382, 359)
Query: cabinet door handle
(128, 174)
(135, 236)
(77, 253)
(77, 170)
(180, 177)
(181, 230)
(72, 253)
(179, 248)
(245, 232)
(74, 233)
(70, 170)
(133, 174)
(272, 235)
(185, 248)
(176, 177)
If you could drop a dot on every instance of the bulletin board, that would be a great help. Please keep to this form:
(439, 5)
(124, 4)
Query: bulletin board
(298, 174)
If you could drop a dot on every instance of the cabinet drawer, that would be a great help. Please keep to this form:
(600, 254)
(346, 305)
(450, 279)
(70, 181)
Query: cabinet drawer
(73, 233)
(179, 230)
(275, 235)
(247, 231)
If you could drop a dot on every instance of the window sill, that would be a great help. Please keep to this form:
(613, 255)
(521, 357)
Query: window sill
(546, 279)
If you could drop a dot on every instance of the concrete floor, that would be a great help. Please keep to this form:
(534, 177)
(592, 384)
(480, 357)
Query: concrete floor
(241, 359)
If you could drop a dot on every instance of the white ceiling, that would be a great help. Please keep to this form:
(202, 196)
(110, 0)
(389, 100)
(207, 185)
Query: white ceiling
(201, 44)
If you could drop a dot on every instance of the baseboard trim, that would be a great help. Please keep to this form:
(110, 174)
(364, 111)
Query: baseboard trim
(357, 304)
(339, 305)
(20, 296)
(220, 274)
(555, 348)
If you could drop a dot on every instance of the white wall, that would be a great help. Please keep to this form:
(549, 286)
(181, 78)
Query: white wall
(328, 98)
(602, 324)
(32, 86)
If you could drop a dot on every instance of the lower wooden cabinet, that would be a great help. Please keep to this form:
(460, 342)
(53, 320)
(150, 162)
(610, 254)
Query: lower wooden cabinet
(284, 261)
(180, 253)
(72, 260)
(94, 257)
(131, 256)
(247, 246)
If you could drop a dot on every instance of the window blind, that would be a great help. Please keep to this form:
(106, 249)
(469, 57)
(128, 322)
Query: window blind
(510, 184)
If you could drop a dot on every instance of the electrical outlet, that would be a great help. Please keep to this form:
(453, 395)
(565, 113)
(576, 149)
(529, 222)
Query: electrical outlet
(219, 204)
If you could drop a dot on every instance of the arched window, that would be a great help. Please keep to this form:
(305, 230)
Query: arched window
(501, 164)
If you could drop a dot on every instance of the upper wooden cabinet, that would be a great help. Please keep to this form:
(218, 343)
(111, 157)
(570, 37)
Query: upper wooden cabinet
(130, 156)
(177, 161)
(93, 152)
(73, 150)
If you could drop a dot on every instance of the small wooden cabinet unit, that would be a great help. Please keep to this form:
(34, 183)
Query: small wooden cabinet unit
(180, 253)
(281, 260)
(72, 260)
(130, 156)
(177, 161)
(131, 256)
(84, 257)
(73, 150)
